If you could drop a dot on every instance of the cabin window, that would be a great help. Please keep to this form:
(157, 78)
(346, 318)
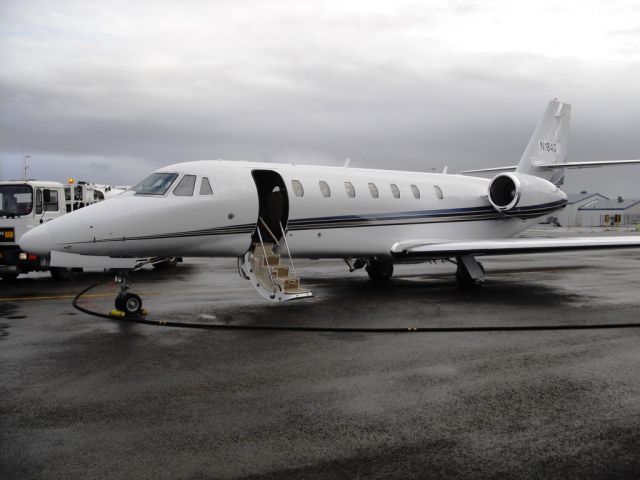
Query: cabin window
(155, 184)
(416, 191)
(205, 187)
(438, 191)
(297, 188)
(373, 190)
(186, 186)
(395, 190)
(351, 192)
(324, 188)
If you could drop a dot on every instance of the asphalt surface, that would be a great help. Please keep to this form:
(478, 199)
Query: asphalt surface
(83, 397)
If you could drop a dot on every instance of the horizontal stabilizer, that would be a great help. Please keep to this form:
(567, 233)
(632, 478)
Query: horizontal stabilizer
(74, 260)
(510, 168)
(426, 249)
(602, 163)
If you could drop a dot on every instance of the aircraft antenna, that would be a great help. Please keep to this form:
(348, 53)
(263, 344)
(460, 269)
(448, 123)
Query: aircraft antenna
(26, 166)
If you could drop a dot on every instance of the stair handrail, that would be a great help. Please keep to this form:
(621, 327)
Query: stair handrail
(266, 259)
(268, 230)
(284, 235)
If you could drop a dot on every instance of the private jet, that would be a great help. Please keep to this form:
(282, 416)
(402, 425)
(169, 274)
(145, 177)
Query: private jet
(266, 214)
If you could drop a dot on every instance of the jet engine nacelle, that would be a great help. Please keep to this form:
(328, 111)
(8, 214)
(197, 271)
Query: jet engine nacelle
(519, 194)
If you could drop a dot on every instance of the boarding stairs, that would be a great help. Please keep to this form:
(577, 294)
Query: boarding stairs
(272, 278)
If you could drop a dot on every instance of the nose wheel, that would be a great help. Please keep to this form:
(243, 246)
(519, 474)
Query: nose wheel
(127, 302)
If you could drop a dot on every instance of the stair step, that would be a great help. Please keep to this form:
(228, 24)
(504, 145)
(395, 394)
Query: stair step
(279, 271)
(271, 260)
(288, 283)
(259, 252)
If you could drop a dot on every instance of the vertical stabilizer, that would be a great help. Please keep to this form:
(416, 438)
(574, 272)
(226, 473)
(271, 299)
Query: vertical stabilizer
(549, 144)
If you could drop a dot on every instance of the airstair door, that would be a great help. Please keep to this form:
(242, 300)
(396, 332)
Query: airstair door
(274, 278)
(274, 204)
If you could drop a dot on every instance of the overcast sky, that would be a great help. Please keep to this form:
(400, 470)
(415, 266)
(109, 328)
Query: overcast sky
(110, 90)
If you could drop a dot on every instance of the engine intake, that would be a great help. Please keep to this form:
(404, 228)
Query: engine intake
(504, 192)
(525, 196)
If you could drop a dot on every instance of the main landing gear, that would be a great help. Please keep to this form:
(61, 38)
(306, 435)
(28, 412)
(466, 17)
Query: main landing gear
(378, 271)
(127, 303)
(470, 273)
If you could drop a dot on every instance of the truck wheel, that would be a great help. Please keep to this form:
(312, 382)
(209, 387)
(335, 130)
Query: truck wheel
(9, 277)
(61, 274)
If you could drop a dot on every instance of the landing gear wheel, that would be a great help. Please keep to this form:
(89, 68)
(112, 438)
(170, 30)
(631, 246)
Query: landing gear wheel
(61, 274)
(129, 303)
(379, 272)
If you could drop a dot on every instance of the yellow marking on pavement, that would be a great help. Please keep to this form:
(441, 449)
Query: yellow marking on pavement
(71, 296)
(114, 293)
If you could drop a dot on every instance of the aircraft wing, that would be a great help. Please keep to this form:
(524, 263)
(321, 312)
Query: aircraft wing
(438, 249)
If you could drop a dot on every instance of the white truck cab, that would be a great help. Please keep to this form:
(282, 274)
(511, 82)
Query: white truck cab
(28, 203)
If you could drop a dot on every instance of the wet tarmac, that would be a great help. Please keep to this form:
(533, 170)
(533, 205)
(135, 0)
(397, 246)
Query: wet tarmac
(83, 397)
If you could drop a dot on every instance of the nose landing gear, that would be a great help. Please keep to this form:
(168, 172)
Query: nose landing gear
(127, 304)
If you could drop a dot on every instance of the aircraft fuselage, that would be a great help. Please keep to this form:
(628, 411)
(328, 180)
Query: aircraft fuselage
(327, 212)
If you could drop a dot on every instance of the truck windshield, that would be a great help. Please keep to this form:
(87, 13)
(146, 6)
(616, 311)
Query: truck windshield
(155, 184)
(15, 200)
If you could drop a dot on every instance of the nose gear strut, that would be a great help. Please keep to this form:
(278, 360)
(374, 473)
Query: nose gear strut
(127, 304)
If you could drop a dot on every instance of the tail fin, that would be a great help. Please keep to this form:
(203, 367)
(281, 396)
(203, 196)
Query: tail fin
(549, 144)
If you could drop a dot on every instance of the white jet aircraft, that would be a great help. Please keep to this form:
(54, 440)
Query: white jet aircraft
(369, 218)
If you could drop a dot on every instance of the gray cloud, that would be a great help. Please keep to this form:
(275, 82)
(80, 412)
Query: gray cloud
(114, 90)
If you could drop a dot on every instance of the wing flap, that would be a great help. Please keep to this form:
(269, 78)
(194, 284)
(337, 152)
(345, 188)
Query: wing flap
(431, 249)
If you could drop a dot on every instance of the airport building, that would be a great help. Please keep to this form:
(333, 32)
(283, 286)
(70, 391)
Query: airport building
(610, 213)
(571, 215)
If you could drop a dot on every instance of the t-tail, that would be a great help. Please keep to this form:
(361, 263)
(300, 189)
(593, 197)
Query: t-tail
(546, 154)
(549, 144)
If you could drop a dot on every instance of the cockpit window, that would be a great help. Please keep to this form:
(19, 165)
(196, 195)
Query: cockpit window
(205, 187)
(155, 184)
(186, 186)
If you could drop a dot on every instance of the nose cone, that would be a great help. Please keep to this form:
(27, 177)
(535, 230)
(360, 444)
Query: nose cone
(37, 241)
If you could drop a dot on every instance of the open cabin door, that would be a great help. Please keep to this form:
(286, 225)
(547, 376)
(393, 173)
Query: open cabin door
(274, 205)
(262, 264)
